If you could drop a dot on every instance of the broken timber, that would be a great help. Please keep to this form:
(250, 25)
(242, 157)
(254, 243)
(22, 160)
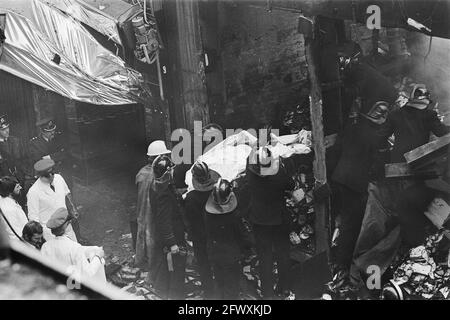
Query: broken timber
(429, 152)
(321, 207)
(403, 170)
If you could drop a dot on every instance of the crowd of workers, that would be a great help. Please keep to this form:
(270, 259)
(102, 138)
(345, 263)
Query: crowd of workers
(37, 206)
(379, 216)
(212, 215)
(36, 203)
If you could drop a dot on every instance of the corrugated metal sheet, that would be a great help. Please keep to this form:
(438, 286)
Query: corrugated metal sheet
(84, 71)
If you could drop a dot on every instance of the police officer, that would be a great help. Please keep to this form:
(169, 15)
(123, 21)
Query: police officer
(48, 145)
(13, 160)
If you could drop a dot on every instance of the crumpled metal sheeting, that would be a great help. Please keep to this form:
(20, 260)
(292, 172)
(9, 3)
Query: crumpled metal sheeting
(81, 48)
(88, 15)
(87, 72)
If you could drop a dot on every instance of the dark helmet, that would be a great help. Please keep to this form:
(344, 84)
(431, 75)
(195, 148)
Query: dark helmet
(379, 111)
(420, 97)
(421, 93)
(222, 191)
(200, 171)
(161, 165)
(212, 126)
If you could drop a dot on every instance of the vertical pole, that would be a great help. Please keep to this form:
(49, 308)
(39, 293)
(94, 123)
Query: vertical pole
(319, 166)
(192, 69)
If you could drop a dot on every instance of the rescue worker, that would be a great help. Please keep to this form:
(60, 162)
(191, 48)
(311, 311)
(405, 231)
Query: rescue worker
(86, 261)
(170, 246)
(411, 126)
(47, 194)
(267, 183)
(224, 239)
(141, 224)
(49, 145)
(203, 180)
(13, 159)
(360, 161)
(394, 218)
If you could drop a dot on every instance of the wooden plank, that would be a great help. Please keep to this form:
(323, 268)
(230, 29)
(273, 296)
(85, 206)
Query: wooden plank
(192, 69)
(402, 169)
(434, 147)
(439, 185)
(319, 166)
(394, 170)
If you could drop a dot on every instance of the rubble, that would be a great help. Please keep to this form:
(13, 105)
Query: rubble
(424, 273)
(302, 213)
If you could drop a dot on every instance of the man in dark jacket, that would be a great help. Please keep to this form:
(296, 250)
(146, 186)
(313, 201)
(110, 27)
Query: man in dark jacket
(170, 260)
(13, 159)
(224, 239)
(360, 161)
(394, 211)
(203, 180)
(141, 221)
(412, 126)
(268, 181)
(48, 144)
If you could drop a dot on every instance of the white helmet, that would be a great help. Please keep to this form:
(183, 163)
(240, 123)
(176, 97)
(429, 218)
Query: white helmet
(157, 148)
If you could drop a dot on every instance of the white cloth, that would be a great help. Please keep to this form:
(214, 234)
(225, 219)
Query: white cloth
(42, 202)
(80, 259)
(229, 158)
(15, 216)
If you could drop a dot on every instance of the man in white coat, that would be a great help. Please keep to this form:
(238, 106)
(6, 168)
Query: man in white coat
(83, 261)
(48, 194)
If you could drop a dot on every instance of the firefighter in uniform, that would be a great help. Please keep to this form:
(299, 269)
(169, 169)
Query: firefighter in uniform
(13, 160)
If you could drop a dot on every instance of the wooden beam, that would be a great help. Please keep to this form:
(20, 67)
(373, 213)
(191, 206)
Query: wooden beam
(402, 169)
(192, 68)
(319, 166)
(429, 151)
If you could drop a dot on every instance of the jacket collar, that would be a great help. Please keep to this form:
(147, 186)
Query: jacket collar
(45, 187)
(163, 182)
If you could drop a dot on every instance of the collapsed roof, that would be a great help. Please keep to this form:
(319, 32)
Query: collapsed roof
(52, 49)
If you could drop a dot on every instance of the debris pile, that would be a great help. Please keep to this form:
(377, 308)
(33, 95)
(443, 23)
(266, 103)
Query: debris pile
(424, 274)
(301, 209)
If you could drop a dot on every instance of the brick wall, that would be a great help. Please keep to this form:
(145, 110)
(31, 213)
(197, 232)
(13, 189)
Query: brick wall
(263, 62)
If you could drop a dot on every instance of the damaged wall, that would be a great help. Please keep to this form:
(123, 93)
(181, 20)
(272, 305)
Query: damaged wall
(264, 67)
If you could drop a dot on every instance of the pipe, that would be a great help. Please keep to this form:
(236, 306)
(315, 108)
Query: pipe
(158, 65)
